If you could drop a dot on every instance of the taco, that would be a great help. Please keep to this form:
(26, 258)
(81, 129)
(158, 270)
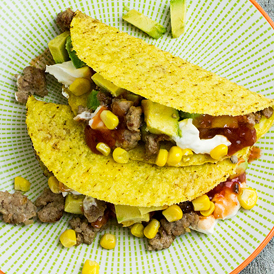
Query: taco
(160, 101)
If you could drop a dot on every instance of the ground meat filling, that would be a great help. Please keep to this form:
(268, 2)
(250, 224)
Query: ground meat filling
(64, 19)
(127, 139)
(134, 118)
(52, 206)
(161, 241)
(85, 233)
(120, 107)
(104, 98)
(152, 143)
(16, 208)
(267, 112)
(32, 81)
(93, 208)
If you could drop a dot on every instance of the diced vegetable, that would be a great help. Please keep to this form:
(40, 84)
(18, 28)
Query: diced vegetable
(21, 183)
(175, 155)
(208, 212)
(120, 155)
(152, 228)
(201, 203)
(177, 17)
(173, 213)
(72, 54)
(68, 238)
(80, 86)
(108, 241)
(161, 157)
(103, 148)
(53, 184)
(110, 120)
(90, 267)
(137, 230)
(219, 152)
(247, 197)
(74, 203)
(92, 101)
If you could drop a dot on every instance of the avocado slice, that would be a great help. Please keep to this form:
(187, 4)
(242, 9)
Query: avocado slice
(130, 214)
(106, 85)
(178, 17)
(57, 47)
(74, 203)
(72, 54)
(145, 210)
(144, 23)
(160, 119)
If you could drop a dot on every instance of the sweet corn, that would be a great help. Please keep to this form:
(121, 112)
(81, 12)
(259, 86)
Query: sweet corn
(175, 155)
(161, 157)
(68, 238)
(137, 230)
(247, 197)
(173, 213)
(187, 152)
(201, 203)
(219, 152)
(54, 185)
(21, 183)
(108, 241)
(152, 228)
(120, 155)
(90, 267)
(208, 212)
(80, 86)
(103, 148)
(110, 120)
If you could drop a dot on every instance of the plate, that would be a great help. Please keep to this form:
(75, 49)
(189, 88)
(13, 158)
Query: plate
(230, 38)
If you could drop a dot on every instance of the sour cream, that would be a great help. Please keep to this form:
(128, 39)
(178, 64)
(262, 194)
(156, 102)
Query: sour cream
(190, 139)
(205, 225)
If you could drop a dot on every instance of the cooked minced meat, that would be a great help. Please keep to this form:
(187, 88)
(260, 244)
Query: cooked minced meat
(152, 143)
(133, 118)
(120, 107)
(253, 118)
(93, 208)
(186, 207)
(179, 227)
(32, 81)
(161, 241)
(85, 233)
(127, 139)
(104, 98)
(64, 19)
(267, 112)
(52, 206)
(16, 208)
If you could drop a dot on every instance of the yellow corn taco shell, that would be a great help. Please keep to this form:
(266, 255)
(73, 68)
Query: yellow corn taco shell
(59, 142)
(143, 69)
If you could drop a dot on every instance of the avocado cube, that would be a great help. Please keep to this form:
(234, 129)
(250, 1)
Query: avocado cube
(177, 17)
(144, 23)
(57, 48)
(106, 85)
(160, 119)
(131, 214)
(74, 203)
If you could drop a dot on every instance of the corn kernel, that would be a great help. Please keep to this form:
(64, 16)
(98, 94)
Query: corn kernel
(173, 213)
(68, 238)
(120, 155)
(21, 183)
(90, 267)
(247, 197)
(201, 203)
(175, 155)
(103, 148)
(187, 152)
(137, 230)
(152, 228)
(108, 241)
(80, 86)
(219, 152)
(208, 212)
(54, 185)
(161, 157)
(110, 120)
